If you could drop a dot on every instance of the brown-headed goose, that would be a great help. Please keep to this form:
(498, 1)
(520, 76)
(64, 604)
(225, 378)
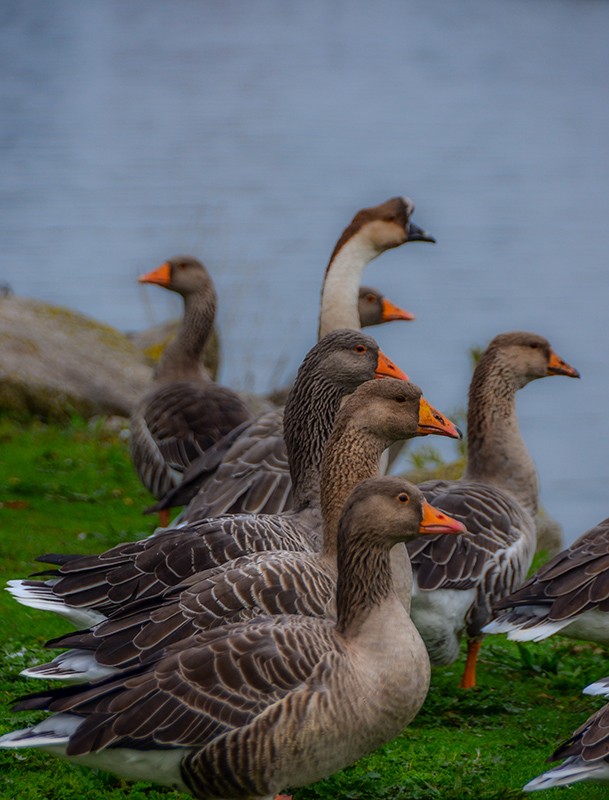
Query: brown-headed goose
(251, 474)
(185, 412)
(246, 710)
(375, 415)
(569, 595)
(331, 370)
(456, 586)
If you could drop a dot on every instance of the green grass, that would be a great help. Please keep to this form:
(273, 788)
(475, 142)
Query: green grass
(73, 490)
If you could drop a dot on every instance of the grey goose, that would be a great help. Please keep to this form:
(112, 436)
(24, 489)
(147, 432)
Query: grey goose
(246, 710)
(456, 586)
(185, 412)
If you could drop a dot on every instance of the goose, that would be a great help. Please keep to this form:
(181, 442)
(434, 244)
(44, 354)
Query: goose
(250, 472)
(569, 595)
(185, 412)
(85, 587)
(586, 756)
(497, 497)
(248, 709)
(280, 582)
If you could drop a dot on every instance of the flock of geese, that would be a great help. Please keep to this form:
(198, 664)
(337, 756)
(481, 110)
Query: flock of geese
(284, 624)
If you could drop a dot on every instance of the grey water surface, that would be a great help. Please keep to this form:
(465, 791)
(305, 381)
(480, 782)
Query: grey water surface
(248, 133)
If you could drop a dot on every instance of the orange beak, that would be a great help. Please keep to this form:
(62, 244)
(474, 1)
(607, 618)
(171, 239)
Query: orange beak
(389, 312)
(161, 275)
(387, 369)
(556, 366)
(431, 421)
(436, 521)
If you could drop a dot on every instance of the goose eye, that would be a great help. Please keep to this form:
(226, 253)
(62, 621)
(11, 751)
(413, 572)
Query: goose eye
(370, 298)
(360, 348)
(534, 346)
(400, 398)
(403, 497)
(181, 265)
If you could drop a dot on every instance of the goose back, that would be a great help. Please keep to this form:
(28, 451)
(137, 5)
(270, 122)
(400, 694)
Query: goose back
(568, 595)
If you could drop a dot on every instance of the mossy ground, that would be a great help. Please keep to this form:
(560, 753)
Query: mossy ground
(73, 489)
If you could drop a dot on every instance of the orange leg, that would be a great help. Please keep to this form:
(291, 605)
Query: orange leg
(283, 797)
(164, 517)
(468, 681)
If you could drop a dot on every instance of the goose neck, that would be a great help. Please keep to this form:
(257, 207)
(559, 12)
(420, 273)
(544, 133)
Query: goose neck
(308, 419)
(351, 456)
(339, 296)
(497, 453)
(182, 357)
(364, 581)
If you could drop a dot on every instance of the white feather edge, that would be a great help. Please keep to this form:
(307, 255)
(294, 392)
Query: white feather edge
(42, 598)
(574, 769)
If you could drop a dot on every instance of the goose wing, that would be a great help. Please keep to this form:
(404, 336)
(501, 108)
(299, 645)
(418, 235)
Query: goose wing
(492, 556)
(576, 580)
(175, 425)
(252, 477)
(201, 689)
(263, 584)
(143, 569)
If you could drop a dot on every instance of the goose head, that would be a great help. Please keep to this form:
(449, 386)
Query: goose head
(182, 274)
(347, 358)
(383, 227)
(525, 357)
(391, 510)
(374, 308)
(393, 410)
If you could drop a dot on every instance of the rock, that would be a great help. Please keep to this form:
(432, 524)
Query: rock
(55, 363)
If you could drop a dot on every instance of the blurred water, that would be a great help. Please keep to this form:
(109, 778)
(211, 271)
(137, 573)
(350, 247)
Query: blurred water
(249, 133)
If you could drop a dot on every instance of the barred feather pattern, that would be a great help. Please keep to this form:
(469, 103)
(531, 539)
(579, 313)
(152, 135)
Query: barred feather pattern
(176, 424)
(272, 584)
(492, 557)
(250, 476)
(590, 742)
(242, 702)
(561, 595)
(139, 570)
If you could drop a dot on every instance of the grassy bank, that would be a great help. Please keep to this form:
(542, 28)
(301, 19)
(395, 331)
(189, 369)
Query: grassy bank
(74, 490)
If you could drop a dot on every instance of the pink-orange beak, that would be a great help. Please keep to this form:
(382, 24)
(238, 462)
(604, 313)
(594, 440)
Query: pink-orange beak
(556, 366)
(436, 521)
(161, 275)
(385, 368)
(431, 421)
(390, 312)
